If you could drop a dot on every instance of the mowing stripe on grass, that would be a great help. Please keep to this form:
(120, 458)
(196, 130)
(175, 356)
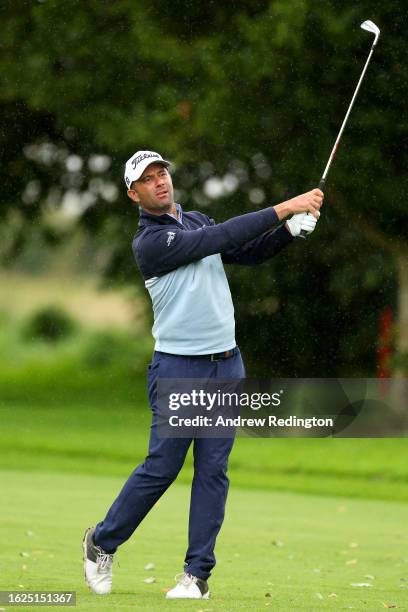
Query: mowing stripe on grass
(85, 438)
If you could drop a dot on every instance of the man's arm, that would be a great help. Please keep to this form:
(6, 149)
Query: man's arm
(259, 249)
(270, 243)
(158, 253)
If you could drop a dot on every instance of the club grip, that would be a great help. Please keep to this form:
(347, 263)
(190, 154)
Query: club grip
(320, 186)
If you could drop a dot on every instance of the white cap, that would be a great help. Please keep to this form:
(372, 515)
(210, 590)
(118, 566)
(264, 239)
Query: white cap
(137, 164)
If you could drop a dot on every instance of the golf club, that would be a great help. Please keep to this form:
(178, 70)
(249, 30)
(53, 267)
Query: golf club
(370, 27)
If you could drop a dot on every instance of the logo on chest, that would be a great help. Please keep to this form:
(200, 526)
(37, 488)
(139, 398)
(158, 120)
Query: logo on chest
(170, 237)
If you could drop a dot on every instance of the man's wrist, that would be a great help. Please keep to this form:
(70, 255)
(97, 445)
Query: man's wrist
(282, 210)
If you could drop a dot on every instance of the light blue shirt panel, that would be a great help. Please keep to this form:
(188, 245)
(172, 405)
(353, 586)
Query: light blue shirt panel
(193, 309)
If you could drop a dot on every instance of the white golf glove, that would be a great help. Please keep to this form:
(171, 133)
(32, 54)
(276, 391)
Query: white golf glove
(299, 222)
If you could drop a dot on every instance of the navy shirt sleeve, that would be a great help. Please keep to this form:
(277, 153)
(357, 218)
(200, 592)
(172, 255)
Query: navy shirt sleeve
(259, 249)
(160, 250)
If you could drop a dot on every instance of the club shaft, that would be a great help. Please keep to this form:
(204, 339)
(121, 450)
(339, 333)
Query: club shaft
(336, 144)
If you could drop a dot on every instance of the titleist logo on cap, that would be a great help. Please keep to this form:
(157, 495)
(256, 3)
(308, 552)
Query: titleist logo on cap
(139, 158)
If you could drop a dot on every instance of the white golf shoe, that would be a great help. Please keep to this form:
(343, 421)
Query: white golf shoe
(189, 587)
(97, 565)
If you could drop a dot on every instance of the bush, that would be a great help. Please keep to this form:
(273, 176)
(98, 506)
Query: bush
(110, 348)
(50, 323)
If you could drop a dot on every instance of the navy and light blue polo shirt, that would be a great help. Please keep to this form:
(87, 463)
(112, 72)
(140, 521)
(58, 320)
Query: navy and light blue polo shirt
(181, 261)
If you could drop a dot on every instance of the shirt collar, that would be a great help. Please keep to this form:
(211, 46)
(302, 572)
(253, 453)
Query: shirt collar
(164, 218)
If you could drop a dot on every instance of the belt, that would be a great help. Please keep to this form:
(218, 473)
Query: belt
(214, 356)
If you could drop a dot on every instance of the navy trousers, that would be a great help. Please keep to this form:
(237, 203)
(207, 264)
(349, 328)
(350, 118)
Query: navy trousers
(164, 460)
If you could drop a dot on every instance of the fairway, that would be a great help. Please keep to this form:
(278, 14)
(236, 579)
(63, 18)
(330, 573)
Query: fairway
(283, 551)
(305, 519)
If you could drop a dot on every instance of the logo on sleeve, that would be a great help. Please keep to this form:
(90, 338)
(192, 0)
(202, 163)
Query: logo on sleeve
(170, 237)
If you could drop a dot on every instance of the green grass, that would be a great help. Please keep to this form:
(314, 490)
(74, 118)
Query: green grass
(63, 461)
(281, 551)
(111, 438)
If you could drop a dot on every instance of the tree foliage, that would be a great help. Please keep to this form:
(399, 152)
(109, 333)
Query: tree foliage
(246, 97)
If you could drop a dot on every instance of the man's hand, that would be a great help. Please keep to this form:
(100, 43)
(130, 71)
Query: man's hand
(301, 221)
(307, 202)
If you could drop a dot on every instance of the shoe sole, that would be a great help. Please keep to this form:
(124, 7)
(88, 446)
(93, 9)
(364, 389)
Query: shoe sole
(206, 596)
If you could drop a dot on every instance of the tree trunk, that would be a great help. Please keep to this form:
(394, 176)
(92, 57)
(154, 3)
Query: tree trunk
(402, 321)
(399, 387)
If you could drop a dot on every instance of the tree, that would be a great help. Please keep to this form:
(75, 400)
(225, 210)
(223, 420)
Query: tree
(247, 99)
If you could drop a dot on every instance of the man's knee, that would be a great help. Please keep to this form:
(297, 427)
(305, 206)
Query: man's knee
(212, 471)
(167, 471)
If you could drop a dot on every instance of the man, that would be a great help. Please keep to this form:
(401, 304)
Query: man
(181, 256)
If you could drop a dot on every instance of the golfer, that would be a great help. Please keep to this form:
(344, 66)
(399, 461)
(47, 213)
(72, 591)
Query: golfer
(180, 256)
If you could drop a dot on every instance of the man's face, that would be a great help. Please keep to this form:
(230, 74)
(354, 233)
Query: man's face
(153, 191)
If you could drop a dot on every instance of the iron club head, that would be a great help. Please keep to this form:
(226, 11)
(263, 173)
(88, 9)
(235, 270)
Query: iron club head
(371, 27)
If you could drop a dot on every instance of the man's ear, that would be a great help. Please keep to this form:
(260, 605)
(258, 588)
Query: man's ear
(133, 195)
